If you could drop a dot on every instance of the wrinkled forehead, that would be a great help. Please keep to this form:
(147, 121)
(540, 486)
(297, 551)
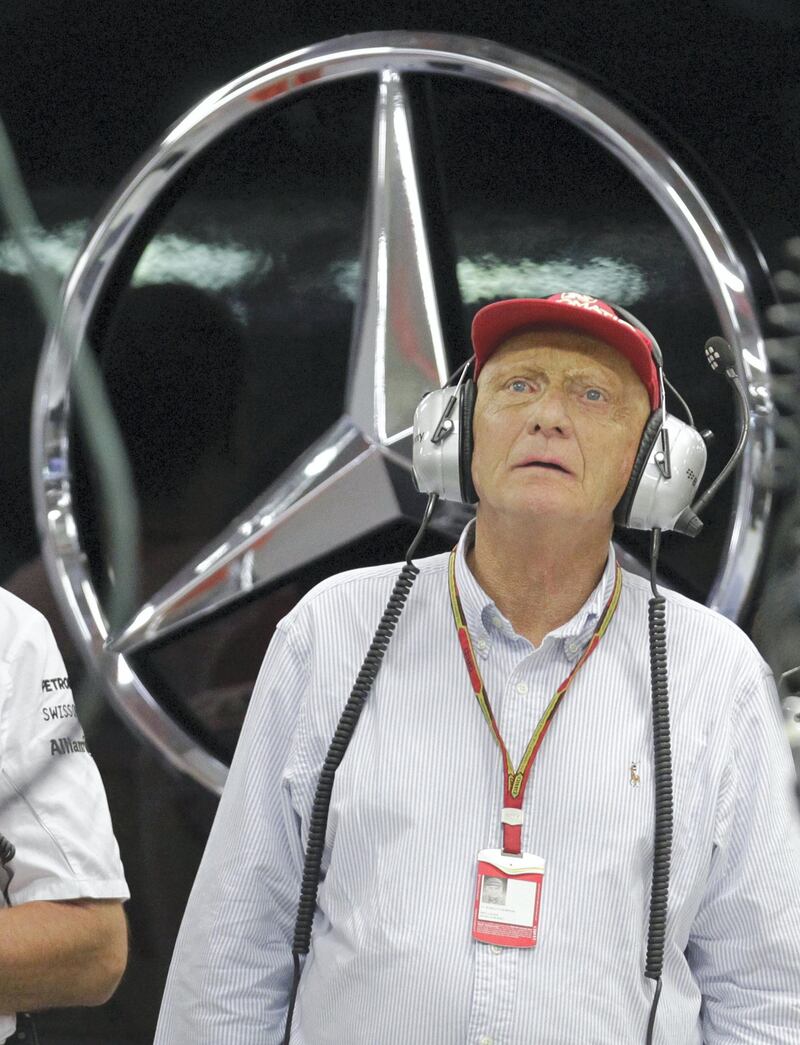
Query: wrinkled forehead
(539, 343)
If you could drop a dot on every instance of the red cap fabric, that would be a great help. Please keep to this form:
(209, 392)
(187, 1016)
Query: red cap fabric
(497, 322)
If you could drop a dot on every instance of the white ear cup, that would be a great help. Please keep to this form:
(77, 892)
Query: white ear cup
(659, 501)
(436, 464)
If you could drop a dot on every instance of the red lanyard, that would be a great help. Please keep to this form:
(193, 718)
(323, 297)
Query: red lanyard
(516, 779)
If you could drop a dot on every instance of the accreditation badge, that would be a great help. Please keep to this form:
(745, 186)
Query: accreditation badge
(507, 898)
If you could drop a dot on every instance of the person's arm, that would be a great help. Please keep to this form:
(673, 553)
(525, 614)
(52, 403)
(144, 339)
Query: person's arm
(745, 943)
(232, 965)
(61, 953)
(62, 938)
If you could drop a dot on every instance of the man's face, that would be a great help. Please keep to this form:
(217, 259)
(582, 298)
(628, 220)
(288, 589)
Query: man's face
(558, 420)
(494, 890)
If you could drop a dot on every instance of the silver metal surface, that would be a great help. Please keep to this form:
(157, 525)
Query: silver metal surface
(355, 478)
(398, 351)
(315, 508)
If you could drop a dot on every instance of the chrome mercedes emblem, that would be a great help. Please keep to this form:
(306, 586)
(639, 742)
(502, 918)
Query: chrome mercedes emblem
(355, 478)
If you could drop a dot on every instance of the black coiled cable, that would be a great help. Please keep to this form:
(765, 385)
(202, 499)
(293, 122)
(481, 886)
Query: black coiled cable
(348, 721)
(662, 758)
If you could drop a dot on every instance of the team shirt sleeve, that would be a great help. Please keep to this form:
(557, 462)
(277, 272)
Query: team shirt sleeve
(52, 802)
(745, 942)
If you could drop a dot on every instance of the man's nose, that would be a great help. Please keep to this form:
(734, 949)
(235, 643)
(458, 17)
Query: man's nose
(549, 415)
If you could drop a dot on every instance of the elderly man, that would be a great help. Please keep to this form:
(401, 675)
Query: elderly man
(63, 938)
(402, 948)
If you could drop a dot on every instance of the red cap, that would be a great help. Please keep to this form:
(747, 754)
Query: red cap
(497, 322)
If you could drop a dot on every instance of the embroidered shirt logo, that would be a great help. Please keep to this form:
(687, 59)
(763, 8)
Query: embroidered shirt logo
(570, 297)
(67, 746)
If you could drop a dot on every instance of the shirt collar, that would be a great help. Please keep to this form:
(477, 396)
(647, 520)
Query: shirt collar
(486, 623)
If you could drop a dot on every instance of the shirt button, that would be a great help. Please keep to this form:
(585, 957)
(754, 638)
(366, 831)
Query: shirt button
(485, 1040)
(496, 948)
(498, 623)
(522, 687)
(481, 644)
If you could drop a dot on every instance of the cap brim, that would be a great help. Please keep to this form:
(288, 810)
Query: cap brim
(499, 321)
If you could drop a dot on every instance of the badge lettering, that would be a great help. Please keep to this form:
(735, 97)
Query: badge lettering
(67, 746)
(55, 684)
(56, 711)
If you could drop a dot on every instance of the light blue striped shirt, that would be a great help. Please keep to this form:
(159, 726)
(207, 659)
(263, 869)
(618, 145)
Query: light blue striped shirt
(419, 794)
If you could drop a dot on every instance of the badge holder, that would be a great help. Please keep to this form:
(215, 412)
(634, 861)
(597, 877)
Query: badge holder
(508, 894)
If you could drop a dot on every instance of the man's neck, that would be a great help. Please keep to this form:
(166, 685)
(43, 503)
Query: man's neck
(539, 575)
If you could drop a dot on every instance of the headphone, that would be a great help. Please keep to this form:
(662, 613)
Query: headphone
(667, 469)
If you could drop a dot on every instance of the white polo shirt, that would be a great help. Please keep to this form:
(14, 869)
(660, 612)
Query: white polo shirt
(52, 803)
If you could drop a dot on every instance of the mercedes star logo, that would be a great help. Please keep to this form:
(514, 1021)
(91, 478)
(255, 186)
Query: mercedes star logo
(356, 477)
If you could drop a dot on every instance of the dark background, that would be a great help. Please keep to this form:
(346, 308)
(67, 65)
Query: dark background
(85, 90)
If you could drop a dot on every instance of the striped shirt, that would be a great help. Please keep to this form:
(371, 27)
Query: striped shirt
(418, 795)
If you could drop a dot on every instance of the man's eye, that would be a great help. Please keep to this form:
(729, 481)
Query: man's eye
(518, 385)
(594, 394)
